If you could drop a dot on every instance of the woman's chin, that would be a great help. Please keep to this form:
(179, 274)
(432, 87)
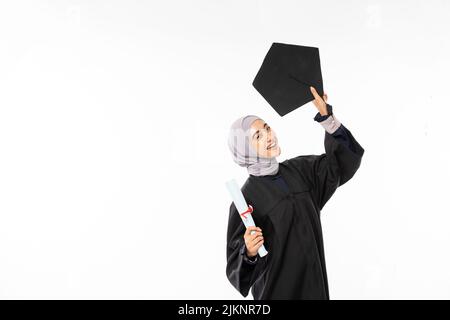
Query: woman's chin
(278, 152)
(274, 153)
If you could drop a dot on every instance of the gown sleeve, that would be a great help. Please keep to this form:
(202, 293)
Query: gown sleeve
(326, 172)
(241, 270)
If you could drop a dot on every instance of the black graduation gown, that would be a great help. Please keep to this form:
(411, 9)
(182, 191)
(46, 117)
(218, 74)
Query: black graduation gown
(294, 268)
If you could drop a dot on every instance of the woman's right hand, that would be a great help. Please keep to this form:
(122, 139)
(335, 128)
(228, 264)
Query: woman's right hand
(253, 241)
(319, 102)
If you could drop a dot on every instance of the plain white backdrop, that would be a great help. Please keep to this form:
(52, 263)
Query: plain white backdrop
(114, 117)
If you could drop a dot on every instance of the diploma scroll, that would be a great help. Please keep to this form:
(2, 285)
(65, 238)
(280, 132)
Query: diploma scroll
(243, 209)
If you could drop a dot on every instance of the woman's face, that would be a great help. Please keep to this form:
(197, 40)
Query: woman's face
(264, 139)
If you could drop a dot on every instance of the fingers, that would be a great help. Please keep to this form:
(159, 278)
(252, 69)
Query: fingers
(253, 238)
(315, 94)
(250, 238)
(259, 244)
(256, 241)
(254, 247)
(254, 234)
(250, 229)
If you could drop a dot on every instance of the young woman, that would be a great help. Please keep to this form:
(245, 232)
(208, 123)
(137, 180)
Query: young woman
(286, 198)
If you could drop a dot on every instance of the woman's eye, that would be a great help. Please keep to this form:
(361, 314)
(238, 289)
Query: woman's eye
(268, 128)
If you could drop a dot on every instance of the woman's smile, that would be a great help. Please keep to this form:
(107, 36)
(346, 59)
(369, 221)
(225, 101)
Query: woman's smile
(272, 145)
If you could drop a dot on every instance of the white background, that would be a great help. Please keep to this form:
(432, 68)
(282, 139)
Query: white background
(113, 124)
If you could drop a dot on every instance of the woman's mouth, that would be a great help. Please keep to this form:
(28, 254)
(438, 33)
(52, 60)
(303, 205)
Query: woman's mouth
(272, 145)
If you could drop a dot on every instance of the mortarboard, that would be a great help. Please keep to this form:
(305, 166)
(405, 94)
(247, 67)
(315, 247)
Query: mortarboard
(286, 74)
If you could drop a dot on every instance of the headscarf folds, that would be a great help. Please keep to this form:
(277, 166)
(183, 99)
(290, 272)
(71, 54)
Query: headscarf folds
(244, 154)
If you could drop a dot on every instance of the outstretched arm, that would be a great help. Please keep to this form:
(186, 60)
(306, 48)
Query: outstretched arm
(341, 160)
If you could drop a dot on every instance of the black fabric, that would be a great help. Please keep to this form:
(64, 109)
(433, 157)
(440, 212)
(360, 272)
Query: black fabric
(278, 180)
(319, 118)
(295, 266)
(341, 134)
(251, 259)
(286, 74)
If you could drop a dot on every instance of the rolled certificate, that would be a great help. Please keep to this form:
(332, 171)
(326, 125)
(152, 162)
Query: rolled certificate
(243, 209)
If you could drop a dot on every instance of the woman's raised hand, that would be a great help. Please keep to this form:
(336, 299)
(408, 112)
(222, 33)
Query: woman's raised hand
(319, 102)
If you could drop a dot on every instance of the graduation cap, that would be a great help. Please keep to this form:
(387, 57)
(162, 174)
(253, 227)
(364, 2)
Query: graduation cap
(286, 74)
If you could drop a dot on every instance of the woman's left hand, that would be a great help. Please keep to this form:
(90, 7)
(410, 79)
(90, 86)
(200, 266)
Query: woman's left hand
(319, 102)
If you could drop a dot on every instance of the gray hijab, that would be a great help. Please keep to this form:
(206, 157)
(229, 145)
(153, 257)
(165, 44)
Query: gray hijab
(239, 142)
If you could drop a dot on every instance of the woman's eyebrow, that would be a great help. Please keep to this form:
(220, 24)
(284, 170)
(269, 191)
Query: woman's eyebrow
(257, 131)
